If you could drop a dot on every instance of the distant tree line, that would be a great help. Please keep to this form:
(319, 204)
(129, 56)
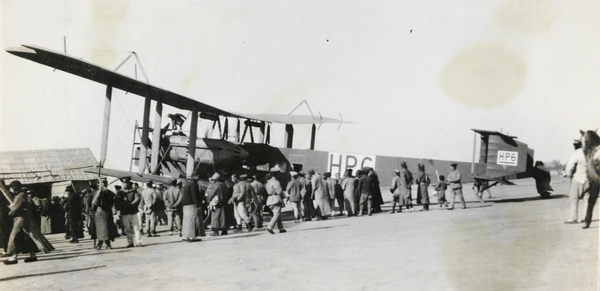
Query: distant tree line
(555, 165)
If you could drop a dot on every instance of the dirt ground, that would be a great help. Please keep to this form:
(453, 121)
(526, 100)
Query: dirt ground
(515, 241)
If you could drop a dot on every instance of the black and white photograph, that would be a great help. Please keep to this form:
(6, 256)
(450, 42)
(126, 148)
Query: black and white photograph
(299, 145)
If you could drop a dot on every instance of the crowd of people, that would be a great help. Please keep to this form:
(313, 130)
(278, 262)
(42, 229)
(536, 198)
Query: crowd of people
(228, 203)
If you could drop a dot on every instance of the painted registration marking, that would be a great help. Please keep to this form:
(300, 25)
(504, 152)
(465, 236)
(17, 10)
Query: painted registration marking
(507, 158)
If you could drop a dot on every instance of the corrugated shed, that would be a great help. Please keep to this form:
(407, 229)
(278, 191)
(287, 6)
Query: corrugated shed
(46, 166)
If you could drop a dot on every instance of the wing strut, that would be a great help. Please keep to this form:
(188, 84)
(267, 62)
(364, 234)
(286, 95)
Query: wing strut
(156, 133)
(191, 157)
(105, 126)
(145, 134)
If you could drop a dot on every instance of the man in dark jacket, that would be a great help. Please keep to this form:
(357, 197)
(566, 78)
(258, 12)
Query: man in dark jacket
(365, 189)
(128, 201)
(18, 241)
(73, 209)
(190, 201)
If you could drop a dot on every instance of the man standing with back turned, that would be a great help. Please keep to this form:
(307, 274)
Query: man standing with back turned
(576, 171)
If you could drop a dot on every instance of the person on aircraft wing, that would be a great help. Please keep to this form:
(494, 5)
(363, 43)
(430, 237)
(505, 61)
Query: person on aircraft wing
(177, 120)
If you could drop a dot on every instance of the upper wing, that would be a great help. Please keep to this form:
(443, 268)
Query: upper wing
(111, 78)
(292, 119)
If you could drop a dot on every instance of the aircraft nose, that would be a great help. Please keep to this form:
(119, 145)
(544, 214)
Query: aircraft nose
(240, 153)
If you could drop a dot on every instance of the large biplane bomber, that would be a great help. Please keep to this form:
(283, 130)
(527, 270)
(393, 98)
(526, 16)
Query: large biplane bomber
(166, 153)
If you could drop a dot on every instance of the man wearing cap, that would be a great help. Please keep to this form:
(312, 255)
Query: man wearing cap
(454, 178)
(19, 212)
(171, 197)
(73, 209)
(395, 189)
(364, 188)
(307, 199)
(275, 202)
(576, 171)
(216, 196)
(252, 199)
(130, 201)
(294, 189)
(261, 195)
(242, 196)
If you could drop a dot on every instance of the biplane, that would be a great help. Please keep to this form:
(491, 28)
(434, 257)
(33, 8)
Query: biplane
(169, 154)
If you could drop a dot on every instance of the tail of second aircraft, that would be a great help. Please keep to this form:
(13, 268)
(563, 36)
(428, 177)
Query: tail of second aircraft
(503, 158)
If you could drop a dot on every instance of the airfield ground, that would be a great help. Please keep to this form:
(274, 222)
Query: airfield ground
(516, 241)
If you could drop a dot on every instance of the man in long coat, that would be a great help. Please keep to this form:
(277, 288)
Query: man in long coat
(423, 182)
(406, 180)
(347, 185)
(216, 194)
(320, 195)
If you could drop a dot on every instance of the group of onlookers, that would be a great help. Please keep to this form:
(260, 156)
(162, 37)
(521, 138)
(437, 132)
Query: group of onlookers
(229, 202)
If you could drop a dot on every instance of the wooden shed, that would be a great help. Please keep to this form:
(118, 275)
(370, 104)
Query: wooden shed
(49, 172)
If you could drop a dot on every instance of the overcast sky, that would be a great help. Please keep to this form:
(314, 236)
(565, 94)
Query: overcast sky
(416, 76)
